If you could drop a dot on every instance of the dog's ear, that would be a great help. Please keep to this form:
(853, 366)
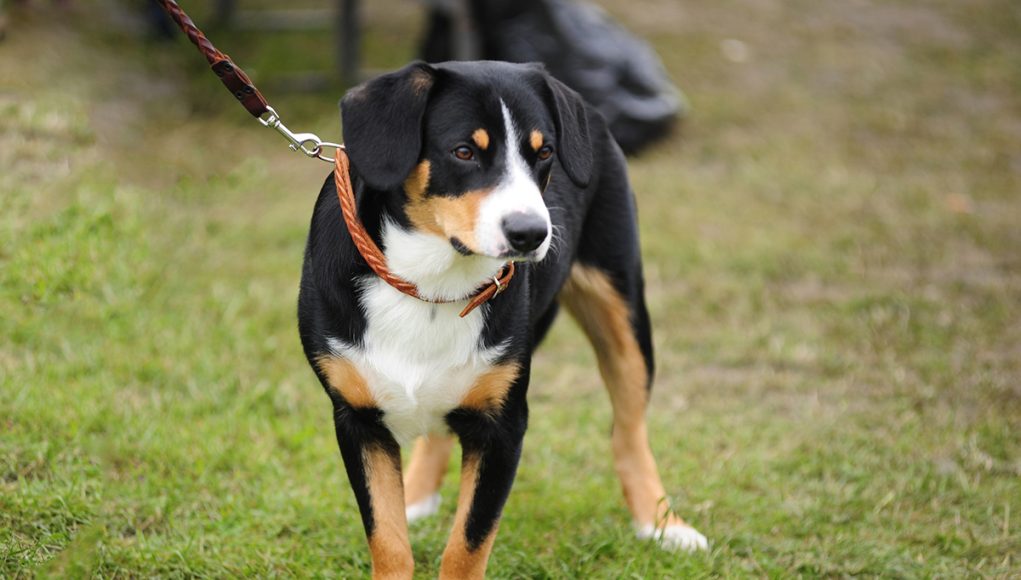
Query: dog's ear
(574, 142)
(382, 121)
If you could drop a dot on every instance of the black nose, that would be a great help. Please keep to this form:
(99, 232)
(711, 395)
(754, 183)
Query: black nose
(524, 231)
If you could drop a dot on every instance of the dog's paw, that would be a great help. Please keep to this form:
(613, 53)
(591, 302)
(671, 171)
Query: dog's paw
(675, 537)
(423, 509)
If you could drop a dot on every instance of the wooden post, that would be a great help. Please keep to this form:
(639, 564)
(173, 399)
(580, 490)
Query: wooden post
(348, 41)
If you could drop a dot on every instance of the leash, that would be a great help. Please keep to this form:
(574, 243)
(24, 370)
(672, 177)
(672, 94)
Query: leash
(238, 83)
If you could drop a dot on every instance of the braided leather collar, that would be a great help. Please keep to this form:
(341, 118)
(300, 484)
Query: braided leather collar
(375, 258)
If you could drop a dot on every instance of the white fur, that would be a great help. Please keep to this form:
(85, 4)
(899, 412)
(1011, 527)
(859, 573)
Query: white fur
(419, 359)
(434, 266)
(423, 509)
(675, 537)
(516, 193)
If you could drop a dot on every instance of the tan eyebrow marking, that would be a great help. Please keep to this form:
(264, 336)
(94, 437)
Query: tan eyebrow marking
(481, 138)
(535, 139)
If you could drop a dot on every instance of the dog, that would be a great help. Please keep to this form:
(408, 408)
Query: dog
(457, 169)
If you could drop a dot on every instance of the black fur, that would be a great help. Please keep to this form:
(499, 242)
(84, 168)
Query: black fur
(399, 119)
(571, 120)
(383, 124)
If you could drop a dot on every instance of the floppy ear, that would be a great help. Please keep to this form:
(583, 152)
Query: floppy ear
(382, 121)
(574, 143)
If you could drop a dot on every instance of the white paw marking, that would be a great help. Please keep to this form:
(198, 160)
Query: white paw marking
(675, 538)
(424, 508)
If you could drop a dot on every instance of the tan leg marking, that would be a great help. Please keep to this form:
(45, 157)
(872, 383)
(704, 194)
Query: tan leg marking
(481, 138)
(458, 561)
(426, 468)
(535, 139)
(604, 316)
(345, 380)
(389, 545)
(490, 390)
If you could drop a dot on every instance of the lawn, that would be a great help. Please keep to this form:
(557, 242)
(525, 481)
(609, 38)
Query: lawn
(834, 274)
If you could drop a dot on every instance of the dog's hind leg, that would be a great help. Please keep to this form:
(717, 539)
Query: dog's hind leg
(422, 478)
(610, 309)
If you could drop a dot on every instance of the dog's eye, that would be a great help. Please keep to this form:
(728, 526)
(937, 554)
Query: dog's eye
(545, 152)
(464, 153)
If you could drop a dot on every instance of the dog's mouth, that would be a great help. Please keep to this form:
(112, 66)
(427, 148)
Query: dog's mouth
(532, 256)
(511, 256)
(461, 247)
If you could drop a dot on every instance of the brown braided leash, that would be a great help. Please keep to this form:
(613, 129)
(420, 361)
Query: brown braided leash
(235, 79)
(238, 83)
(374, 257)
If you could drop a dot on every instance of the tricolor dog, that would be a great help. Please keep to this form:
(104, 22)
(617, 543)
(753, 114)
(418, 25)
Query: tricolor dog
(458, 169)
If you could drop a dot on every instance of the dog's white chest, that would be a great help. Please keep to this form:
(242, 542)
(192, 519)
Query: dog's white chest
(418, 359)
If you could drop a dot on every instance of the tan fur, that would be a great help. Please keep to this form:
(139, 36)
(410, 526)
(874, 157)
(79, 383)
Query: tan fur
(417, 183)
(481, 138)
(389, 545)
(346, 381)
(427, 466)
(447, 217)
(458, 561)
(457, 216)
(419, 209)
(490, 390)
(535, 139)
(421, 81)
(605, 317)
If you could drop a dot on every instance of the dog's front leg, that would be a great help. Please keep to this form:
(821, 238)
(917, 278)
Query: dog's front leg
(487, 472)
(373, 461)
(491, 446)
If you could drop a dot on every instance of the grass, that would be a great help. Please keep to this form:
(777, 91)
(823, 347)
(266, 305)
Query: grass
(834, 276)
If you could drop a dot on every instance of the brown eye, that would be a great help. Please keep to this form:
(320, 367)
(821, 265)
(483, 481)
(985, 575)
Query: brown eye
(545, 152)
(464, 153)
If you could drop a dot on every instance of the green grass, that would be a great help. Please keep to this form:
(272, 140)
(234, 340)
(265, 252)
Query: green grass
(832, 250)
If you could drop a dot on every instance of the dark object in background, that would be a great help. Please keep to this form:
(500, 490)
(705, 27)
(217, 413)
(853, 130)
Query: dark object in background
(160, 26)
(614, 71)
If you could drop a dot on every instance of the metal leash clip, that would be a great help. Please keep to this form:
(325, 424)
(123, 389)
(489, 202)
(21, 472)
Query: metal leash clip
(308, 143)
(500, 287)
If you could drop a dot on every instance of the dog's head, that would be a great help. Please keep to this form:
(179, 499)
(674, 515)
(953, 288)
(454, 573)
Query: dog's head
(470, 149)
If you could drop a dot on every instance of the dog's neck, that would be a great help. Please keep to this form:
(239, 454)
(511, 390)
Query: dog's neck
(426, 260)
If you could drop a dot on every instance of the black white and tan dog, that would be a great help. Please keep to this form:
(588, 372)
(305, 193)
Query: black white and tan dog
(457, 169)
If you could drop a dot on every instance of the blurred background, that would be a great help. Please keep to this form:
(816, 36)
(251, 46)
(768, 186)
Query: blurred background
(833, 260)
